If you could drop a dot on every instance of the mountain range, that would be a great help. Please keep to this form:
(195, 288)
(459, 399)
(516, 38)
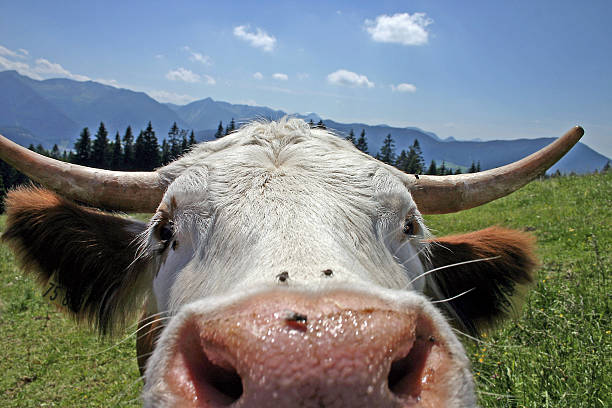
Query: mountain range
(54, 111)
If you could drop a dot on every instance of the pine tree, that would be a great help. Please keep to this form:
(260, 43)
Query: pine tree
(442, 169)
(128, 149)
(166, 153)
(418, 161)
(55, 152)
(139, 153)
(311, 123)
(151, 151)
(219, 134)
(174, 142)
(387, 150)
(230, 128)
(472, 168)
(321, 125)
(192, 139)
(117, 154)
(478, 166)
(82, 148)
(402, 161)
(362, 143)
(606, 167)
(432, 168)
(99, 155)
(184, 142)
(351, 137)
(458, 171)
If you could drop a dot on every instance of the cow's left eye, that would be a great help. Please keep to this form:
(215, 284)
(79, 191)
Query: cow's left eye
(409, 227)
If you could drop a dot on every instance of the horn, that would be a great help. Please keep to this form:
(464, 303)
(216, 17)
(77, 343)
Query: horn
(118, 190)
(447, 194)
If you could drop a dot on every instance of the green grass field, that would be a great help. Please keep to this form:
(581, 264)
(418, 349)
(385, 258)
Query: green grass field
(558, 353)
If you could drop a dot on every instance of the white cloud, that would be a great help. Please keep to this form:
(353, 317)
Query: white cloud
(258, 76)
(348, 78)
(197, 56)
(110, 82)
(160, 56)
(48, 68)
(209, 80)
(165, 96)
(258, 39)
(42, 69)
(400, 28)
(7, 52)
(24, 52)
(280, 76)
(182, 74)
(21, 67)
(403, 88)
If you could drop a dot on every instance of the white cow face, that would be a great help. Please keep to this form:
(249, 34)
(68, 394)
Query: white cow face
(282, 268)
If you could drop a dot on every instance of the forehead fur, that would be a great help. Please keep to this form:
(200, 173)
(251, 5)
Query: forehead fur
(276, 142)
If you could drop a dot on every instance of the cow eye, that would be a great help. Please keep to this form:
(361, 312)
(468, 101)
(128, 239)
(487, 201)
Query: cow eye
(409, 227)
(166, 231)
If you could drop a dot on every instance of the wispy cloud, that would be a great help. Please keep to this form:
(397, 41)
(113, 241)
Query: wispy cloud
(41, 69)
(165, 96)
(349, 78)
(182, 74)
(258, 76)
(404, 87)
(400, 28)
(280, 76)
(197, 56)
(303, 75)
(209, 80)
(258, 38)
(48, 68)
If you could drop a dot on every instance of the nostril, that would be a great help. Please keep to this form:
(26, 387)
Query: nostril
(408, 373)
(202, 371)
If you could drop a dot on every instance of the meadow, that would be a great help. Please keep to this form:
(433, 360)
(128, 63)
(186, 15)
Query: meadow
(556, 353)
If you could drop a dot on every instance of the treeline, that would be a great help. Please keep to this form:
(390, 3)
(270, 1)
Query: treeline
(126, 153)
(410, 161)
(142, 153)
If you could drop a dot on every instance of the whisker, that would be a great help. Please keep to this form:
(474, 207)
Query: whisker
(450, 266)
(415, 255)
(127, 337)
(452, 298)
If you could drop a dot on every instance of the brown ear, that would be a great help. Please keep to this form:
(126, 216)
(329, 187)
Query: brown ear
(491, 284)
(89, 255)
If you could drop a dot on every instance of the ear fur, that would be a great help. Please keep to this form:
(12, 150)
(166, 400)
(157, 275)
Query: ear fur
(92, 255)
(492, 284)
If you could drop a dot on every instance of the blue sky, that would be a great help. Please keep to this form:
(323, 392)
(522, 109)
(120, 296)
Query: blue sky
(489, 70)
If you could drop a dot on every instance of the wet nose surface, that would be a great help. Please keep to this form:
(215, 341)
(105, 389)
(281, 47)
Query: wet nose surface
(296, 350)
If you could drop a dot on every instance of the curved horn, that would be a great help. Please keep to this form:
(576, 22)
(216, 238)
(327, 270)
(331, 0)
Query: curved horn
(119, 190)
(447, 194)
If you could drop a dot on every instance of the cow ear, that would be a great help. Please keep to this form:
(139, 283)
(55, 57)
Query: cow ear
(89, 258)
(487, 289)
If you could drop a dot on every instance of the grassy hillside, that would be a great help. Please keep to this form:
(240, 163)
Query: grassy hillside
(558, 353)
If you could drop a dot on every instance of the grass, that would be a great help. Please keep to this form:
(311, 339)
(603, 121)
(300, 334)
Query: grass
(557, 353)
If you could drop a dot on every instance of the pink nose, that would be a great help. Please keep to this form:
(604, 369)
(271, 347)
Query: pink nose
(292, 349)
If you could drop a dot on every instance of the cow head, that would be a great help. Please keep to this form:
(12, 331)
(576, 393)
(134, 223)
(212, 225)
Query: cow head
(282, 267)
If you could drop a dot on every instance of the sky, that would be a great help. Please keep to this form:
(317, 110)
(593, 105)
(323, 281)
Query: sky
(478, 69)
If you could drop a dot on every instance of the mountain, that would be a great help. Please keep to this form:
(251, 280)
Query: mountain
(55, 111)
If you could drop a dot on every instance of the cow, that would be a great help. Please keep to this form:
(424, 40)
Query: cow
(282, 267)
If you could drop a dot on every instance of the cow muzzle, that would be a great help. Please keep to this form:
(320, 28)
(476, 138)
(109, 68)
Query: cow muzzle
(288, 349)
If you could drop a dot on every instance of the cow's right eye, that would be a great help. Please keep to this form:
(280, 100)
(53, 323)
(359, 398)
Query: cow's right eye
(166, 232)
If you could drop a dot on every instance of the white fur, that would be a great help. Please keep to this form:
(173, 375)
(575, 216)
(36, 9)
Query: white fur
(277, 197)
